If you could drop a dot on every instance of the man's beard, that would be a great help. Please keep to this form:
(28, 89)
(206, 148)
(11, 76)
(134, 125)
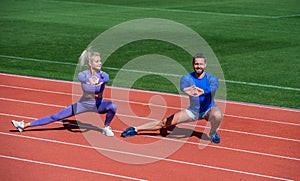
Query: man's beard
(199, 71)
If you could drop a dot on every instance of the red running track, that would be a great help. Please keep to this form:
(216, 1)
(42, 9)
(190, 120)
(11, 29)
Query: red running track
(257, 142)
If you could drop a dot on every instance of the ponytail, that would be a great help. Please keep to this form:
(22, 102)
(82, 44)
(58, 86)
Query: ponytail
(86, 56)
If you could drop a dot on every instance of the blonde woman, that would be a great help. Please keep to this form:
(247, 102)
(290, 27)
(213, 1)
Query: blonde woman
(93, 82)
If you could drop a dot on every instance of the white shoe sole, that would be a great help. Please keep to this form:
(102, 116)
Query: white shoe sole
(105, 133)
(109, 135)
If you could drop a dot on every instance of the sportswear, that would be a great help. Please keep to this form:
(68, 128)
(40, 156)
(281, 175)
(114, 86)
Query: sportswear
(85, 104)
(209, 83)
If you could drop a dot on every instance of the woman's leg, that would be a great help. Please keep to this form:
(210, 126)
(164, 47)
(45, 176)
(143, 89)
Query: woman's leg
(65, 113)
(110, 109)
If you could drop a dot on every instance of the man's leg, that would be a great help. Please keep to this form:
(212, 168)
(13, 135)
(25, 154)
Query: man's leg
(174, 119)
(214, 116)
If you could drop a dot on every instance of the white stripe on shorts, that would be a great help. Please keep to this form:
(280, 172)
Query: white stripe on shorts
(191, 114)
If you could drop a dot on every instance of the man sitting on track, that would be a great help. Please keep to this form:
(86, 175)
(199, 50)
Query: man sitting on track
(93, 83)
(200, 86)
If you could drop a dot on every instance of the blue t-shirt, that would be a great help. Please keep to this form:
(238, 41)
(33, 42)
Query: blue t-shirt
(208, 83)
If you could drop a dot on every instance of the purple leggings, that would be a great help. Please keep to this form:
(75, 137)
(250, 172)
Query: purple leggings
(84, 105)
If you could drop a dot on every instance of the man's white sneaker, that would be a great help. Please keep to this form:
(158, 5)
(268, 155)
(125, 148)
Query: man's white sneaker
(107, 131)
(18, 124)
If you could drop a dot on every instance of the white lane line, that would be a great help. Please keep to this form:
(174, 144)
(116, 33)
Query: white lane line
(69, 167)
(148, 156)
(142, 103)
(30, 102)
(155, 73)
(221, 129)
(36, 90)
(154, 92)
(262, 120)
(175, 140)
(150, 119)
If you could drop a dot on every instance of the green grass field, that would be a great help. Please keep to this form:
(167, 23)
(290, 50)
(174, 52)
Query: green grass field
(257, 42)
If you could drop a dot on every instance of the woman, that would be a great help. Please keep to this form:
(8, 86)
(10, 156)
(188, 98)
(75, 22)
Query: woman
(93, 82)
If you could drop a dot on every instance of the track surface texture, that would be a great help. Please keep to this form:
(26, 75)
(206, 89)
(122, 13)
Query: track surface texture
(257, 142)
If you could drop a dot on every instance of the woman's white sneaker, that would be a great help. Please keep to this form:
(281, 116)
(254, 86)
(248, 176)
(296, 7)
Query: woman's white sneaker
(18, 124)
(107, 131)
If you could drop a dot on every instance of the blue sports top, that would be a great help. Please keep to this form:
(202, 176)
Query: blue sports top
(84, 76)
(208, 83)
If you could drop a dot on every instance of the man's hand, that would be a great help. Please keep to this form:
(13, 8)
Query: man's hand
(193, 91)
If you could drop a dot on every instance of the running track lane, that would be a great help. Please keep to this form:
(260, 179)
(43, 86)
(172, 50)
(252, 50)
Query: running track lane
(204, 164)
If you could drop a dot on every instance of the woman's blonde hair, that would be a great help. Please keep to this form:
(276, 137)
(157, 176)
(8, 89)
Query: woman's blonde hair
(86, 56)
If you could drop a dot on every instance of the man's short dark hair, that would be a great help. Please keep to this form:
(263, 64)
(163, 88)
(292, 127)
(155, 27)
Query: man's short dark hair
(199, 55)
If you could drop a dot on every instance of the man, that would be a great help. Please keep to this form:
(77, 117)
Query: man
(200, 86)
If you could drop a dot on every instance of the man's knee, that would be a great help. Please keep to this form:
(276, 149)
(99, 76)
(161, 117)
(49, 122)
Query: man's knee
(218, 115)
(215, 115)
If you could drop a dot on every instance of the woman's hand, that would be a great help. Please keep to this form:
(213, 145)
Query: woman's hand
(93, 80)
